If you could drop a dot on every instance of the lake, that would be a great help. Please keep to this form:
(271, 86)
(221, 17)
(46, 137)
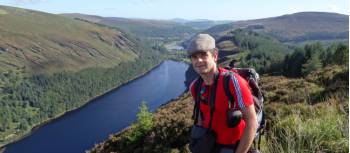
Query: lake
(79, 130)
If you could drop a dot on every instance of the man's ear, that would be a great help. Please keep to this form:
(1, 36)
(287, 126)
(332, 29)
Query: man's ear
(216, 54)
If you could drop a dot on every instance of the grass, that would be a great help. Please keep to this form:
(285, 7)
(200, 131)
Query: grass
(301, 127)
(307, 115)
(289, 91)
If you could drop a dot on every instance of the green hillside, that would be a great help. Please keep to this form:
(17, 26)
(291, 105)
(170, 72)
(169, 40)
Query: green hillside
(298, 27)
(47, 42)
(252, 49)
(51, 64)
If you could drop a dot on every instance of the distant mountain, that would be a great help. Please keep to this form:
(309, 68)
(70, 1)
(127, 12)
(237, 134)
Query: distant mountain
(161, 29)
(298, 27)
(47, 42)
(200, 24)
(179, 20)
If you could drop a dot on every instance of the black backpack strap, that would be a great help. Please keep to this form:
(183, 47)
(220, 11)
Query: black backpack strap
(196, 111)
(227, 79)
(213, 97)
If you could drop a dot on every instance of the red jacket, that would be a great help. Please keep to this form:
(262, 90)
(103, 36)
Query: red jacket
(243, 98)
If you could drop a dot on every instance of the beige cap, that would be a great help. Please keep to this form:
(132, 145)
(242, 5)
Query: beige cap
(201, 43)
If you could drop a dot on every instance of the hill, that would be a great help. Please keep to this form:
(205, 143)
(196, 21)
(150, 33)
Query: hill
(200, 24)
(156, 29)
(298, 27)
(51, 64)
(45, 42)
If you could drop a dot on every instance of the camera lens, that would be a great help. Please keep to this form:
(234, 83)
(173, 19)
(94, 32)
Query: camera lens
(234, 117)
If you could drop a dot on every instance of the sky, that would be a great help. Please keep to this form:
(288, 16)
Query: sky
(185, 9)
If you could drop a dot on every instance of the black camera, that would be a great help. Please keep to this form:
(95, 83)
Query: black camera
(234, 117)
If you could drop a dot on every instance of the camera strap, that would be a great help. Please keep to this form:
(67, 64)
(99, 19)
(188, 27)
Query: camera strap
(196, 109)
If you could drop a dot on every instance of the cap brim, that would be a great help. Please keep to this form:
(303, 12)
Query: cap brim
(198, 51)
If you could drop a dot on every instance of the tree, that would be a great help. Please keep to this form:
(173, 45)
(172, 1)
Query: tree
(311, 64)
(23, 125)
(341, 55)
(293, 63)
(311, 49)
(144, 118)
(143, 125)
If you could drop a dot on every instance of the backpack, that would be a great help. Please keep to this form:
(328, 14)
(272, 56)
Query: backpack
(252, 77)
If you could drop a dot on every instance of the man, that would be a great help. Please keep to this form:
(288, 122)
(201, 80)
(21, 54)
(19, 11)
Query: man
(204, 55)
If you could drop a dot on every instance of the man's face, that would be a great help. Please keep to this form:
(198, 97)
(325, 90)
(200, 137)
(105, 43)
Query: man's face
(204, 62)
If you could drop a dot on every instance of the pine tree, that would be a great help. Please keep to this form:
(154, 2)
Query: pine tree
(143, 125)
(144, 118)
(341, 55)
(312, 64)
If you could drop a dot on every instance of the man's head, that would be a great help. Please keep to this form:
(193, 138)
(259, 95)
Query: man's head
(201, 43)
(203, 53)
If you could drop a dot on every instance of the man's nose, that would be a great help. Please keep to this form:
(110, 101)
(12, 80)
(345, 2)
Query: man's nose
(199, 59)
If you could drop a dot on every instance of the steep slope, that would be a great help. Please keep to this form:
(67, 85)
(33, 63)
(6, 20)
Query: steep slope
(51, 64)
(46, 42)
(294, 27)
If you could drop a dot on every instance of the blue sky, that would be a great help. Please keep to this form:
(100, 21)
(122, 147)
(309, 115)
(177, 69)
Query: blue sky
(187, 9)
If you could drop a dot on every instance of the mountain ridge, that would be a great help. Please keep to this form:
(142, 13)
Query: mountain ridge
(293, 27)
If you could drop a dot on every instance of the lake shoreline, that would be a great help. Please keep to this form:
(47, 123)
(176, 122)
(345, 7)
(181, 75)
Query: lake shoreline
(59, 116)
(122, 131)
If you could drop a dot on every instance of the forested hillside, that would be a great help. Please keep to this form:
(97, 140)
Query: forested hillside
(251, 49)
(51, 64)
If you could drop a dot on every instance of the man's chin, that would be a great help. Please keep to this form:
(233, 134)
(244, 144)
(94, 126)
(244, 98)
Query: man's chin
(202, 72)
